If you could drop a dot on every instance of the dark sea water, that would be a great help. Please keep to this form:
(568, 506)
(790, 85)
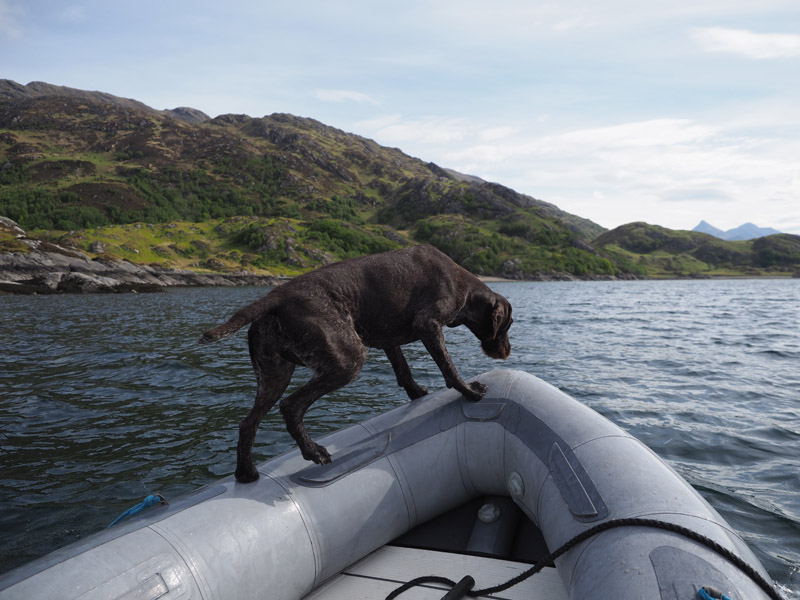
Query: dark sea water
(107, 398)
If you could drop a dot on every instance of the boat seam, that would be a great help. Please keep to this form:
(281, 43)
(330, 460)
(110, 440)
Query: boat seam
(312, 539)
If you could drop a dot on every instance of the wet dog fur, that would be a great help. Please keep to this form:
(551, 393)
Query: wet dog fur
(326, 320)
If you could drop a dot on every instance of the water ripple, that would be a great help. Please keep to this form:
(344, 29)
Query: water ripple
(105, 399)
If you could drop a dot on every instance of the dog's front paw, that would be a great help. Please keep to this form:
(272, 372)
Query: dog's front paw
(416, 392)
(476, 391)
(317, 454)
(246, 474)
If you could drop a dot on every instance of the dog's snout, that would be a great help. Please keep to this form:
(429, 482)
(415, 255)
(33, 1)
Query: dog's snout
(497, 348)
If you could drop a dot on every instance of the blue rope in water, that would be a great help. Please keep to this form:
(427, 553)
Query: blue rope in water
(151, 500)
(704, 593)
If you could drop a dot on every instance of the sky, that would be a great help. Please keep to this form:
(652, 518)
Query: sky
(663, 111)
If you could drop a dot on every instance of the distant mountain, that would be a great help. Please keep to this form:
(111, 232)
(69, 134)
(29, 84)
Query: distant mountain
(705, 227)
(748, 231)
(662, 252)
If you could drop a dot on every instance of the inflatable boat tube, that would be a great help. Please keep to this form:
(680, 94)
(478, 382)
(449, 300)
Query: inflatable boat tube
(566, 466)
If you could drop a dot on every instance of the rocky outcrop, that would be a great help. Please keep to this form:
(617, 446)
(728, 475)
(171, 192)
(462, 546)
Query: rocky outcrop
(43, 267)
(11, 227)
(49, 269)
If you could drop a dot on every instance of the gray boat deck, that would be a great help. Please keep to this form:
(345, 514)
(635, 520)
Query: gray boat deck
(386, 569)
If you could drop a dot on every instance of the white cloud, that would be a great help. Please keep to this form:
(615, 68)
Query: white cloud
(668, 171)
(496, 133)
(505, 22)
(651, 133)
(749, 44)
(625, 137)
(344, 96)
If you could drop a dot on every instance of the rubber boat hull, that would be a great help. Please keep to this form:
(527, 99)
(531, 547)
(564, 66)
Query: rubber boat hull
(567, 467)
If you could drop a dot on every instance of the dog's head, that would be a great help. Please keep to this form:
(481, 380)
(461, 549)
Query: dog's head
(494, 338)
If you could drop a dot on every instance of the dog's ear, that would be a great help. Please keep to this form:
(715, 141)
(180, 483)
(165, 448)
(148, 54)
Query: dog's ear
(501, 315)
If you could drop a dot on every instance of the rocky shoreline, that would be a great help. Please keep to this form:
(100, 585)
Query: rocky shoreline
(50, 269)
(42, 267)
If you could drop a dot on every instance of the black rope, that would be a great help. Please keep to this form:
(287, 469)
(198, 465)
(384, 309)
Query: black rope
(748, 570)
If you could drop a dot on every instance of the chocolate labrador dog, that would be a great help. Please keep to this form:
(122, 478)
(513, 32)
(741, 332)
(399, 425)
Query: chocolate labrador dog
(326, 320)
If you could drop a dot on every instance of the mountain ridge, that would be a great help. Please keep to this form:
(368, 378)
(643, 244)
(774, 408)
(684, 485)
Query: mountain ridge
(659, 251)
(76, 162)
(278, 194)
(11, 90)
(747, 231)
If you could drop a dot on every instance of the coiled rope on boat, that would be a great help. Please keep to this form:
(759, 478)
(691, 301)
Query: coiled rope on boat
(464, 587)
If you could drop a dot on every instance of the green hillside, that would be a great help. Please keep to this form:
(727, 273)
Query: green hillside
(656, 251)
(284, 194)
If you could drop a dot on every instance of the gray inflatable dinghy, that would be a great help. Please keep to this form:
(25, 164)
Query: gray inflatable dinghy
(438, 486)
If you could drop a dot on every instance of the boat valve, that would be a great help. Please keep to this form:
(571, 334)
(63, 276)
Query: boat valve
(515, 485)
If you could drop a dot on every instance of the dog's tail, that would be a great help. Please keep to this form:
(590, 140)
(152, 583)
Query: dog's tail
(240, 318)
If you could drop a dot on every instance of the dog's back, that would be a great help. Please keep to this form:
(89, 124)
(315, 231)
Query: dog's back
(381, 292)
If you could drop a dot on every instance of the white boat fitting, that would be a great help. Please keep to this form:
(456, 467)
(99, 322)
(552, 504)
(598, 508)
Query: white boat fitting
(438, 486)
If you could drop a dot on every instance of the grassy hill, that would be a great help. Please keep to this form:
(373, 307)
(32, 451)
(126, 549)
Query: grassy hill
(281, 194)
(655, 251)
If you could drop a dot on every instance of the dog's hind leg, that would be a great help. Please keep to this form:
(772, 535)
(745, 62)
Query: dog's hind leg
(336, 367)
(273, 374)
(404, 378)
